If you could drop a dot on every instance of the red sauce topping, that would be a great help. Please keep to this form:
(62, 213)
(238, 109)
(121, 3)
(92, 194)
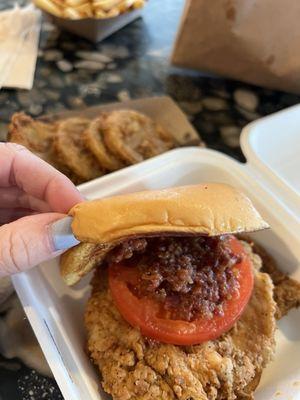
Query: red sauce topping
(190, 276)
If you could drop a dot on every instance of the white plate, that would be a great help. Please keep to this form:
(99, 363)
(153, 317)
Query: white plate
(56, 312)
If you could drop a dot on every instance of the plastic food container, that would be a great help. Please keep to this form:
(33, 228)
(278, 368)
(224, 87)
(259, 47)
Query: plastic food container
(270, 178)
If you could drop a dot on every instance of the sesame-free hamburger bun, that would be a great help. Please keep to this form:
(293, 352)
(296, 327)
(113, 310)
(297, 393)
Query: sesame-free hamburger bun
(206, 209)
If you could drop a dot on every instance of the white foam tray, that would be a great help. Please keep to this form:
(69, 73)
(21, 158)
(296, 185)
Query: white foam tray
(56, 311)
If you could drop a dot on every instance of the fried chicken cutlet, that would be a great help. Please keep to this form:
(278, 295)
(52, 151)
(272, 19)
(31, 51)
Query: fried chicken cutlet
(135, 368)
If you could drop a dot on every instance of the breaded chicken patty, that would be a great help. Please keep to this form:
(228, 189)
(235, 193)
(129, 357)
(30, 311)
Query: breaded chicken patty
(136, 368)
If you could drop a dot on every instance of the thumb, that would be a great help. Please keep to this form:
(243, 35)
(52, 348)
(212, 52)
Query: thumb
(26, 242)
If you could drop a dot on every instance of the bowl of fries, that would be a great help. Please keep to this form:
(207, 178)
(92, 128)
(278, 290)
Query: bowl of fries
(92, 19)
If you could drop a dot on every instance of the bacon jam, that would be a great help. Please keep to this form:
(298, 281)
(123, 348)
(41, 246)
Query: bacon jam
(191, 277)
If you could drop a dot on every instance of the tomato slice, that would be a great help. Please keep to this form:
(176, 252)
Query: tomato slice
(143, 313)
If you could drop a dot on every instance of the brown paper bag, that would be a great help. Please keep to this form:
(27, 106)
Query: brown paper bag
(256, 41)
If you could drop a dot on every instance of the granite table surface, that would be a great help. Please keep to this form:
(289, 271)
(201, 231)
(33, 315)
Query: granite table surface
(72, 73)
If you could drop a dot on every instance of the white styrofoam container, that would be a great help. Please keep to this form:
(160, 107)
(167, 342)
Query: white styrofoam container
(270, 178)
(272, 148)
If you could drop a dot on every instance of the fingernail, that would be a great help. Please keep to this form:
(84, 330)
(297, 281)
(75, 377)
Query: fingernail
(62, 235)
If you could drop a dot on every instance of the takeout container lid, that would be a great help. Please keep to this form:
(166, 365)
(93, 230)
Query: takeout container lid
(272, 148)
(55, 310)
(95, 29)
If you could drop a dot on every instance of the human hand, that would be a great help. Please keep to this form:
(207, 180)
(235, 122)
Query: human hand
(33, 195)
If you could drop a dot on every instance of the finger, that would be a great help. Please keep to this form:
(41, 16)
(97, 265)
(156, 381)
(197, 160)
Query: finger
(19, 167)
(26, 243)
(11, 214)
(13, 197)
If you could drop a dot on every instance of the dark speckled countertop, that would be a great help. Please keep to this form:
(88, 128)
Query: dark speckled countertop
(73, 73)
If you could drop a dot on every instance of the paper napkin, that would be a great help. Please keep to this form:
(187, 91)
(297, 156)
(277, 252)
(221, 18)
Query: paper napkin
(19, 36)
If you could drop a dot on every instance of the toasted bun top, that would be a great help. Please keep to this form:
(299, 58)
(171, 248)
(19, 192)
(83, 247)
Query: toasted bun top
(209, 209)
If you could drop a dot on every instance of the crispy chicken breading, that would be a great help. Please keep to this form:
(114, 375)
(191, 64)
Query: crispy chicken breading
(286, 289)
(135, 368)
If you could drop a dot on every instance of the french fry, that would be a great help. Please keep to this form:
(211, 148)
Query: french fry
(75, 3)
(98, 13)
(71, 13)
(128, 3)
(60, 3)
(139, 4)
(125, 5)
(49, 6)
(78, 9)
(114, 12)
(106, 5)
(85, 10)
